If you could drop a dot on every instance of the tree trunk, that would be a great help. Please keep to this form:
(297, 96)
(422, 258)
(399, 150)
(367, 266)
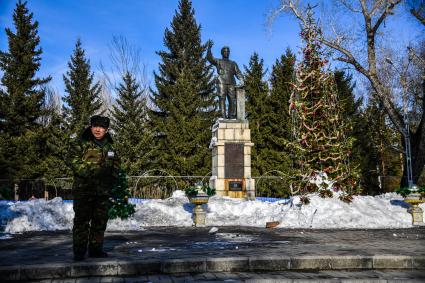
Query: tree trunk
(417, 143)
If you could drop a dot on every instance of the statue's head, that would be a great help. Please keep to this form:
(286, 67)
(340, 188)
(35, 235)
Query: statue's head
(225, 52)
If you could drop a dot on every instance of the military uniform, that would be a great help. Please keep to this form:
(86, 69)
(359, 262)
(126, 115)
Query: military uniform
(95, 165)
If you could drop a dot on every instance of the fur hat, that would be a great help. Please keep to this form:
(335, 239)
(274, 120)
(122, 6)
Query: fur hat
(98, 120)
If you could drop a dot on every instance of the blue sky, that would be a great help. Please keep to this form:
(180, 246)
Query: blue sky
(239, 24)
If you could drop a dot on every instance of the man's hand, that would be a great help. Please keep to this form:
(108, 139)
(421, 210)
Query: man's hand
(85, 168)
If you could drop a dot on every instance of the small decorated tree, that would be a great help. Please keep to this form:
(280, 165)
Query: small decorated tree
(320, 146)
(199, 188)
(120, 207)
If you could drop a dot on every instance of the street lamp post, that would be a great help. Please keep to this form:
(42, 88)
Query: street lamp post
(407, 136)
(414, 197)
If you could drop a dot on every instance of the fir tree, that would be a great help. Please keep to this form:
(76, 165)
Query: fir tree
(120, 206)
(83, 95)
(281, 79)
(351, 108)
(55, 148)
(129, 116)
(321, 144)
(381, 164)
(256, 90)
(351, 114)
(21, 99)
(20, 155)
(23, 95)
(277, 121)
(183, 112)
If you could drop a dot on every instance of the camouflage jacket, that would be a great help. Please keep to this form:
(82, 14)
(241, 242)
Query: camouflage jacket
(95, 166)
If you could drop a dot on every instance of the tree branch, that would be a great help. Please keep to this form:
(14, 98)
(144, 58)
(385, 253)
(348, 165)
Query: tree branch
(349, 6)
(375, 8)
(297, 13)
(418, 16)
(364, 8)
(388, 10)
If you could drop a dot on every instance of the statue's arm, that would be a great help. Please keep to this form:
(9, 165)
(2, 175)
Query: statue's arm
(210, 57)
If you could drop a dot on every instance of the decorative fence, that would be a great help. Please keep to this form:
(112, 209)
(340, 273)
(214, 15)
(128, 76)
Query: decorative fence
(162, 186)
(140, 187)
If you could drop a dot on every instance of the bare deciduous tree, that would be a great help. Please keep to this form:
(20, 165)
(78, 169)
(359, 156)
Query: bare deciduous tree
(124, 58)
(52, 106)
(105, 97)
(372, 15)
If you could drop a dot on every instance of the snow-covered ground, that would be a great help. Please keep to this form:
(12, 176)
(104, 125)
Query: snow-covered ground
(384, 211)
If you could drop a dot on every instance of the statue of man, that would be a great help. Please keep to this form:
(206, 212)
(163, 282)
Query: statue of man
(227, 70)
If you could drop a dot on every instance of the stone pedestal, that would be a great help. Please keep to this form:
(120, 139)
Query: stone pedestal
(199, 213)
(231, 159)
(414, 199)
(240, 107)
(199, 216)
(417, 215)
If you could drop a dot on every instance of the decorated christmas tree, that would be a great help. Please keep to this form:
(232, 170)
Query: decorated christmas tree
(120, 206)
(320, 147)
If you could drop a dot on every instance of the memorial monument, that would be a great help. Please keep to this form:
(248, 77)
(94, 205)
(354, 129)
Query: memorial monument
(231, 137)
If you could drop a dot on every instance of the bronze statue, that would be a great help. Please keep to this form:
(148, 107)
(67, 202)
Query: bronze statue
(227, 70)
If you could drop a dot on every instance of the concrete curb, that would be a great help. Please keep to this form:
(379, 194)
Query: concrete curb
(213, 264)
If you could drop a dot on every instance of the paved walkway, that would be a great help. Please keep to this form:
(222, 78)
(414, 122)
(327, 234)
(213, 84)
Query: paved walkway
(261, 277)
(194, 251)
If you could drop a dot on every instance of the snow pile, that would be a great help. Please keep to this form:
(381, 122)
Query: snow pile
(174, 211)
(384, 211)
(37, 215)
(237, 212)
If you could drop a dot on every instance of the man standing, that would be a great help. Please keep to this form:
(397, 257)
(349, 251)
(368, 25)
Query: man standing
(227, 70)
(95, 165)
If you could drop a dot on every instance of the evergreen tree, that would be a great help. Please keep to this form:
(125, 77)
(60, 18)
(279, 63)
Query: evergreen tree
(381, 165)
(120, 206)
(256, 90)
(129, 116)
(277, 124)
(23, 94)
(20, 155)
(83, 95)
(351, 114)
(55, 148)
(21, 98)
(183, 112)
(350, 106)
(320, 145)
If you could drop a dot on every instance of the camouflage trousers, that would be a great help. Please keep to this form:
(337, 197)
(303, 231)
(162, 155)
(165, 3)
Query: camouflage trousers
(90, 220)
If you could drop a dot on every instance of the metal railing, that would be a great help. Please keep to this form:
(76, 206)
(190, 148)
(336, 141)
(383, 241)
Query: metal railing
(148, 186)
